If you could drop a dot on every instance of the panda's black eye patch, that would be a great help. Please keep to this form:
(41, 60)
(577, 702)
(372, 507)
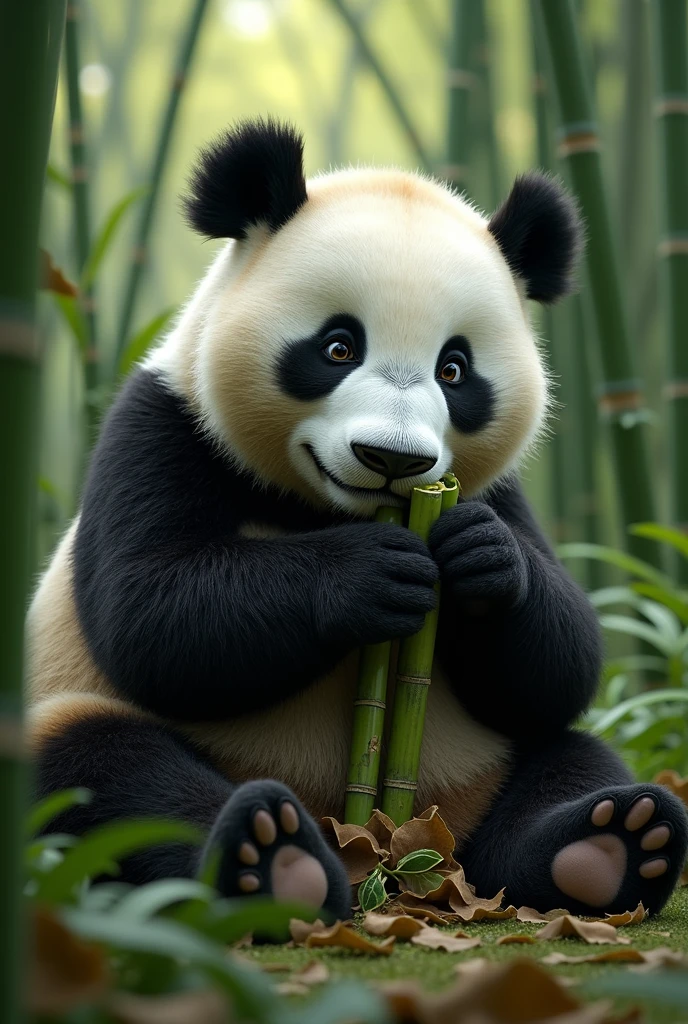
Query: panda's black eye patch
(312, 367)
(471, 404)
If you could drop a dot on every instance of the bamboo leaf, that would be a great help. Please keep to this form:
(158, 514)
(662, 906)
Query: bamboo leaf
(54, 805)
(58, 177)
(418, 861)
(371, 892)
(663, 619)
(606, 721)
(343, 1001)
(629, 564)
(96, 852)
(148, 900)
(74, 318)
(664, 534)
(107, 234)
(670, 599)
(138, 346)
(613, 595)
(642, 630)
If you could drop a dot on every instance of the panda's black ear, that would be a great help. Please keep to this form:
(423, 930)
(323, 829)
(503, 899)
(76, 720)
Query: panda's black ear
(539, 230)
(251, 174)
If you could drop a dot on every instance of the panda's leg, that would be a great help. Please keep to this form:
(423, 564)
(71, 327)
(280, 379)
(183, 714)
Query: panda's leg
(571, 829)
(137, 767)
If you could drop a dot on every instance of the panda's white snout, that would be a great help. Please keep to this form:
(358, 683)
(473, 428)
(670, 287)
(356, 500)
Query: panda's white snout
(392, 463)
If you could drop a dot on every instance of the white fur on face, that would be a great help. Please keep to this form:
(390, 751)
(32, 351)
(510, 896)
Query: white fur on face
(416, 266)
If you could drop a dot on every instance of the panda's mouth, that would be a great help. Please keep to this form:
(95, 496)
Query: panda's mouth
(369, 492)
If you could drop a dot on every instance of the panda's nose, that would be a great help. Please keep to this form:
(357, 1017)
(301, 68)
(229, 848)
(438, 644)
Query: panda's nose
(391, 464)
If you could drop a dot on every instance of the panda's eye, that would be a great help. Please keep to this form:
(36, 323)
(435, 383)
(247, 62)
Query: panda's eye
(339, 346)
(453, 369)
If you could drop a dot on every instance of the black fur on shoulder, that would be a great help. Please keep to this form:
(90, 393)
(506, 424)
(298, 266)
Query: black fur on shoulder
(251, 174)
(539, 230)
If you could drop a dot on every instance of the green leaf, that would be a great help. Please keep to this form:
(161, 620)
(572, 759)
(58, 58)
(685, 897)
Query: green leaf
(642, 630)
(251, 990)
(148, 900)
(54, 841)
(74, 318)
(103, 896)
(342, 1001)
(670, 599)
(418, 861)
(613, 595)
(665, 534)
(97, 850)
(666, 987)
(58, 177)
(614, 715)
(629, 564)
(229, 920)
(54, 805)
(106, 235)
(137, 347)
(423, 883)
(371, 892)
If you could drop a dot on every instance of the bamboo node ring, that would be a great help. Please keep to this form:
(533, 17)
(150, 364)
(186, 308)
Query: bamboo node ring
(400, 784)
(419, 680)
(363, 702)
(368, 790)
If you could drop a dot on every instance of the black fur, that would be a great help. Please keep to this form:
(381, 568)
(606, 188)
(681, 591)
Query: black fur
(306, 373)
(546, 804)
(538, 228)
(139, 769)
(252, 174)
(470, 402)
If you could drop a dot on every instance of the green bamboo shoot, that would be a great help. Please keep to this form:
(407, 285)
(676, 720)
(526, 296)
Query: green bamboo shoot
(369, 717)
(30, 41)
(414, 671)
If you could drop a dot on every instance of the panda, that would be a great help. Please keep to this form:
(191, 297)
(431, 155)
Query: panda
(193, 645)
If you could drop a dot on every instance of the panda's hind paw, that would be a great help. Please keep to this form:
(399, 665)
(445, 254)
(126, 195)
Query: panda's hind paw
(271, 846)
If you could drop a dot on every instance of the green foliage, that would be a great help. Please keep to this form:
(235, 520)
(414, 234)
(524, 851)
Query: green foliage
(649, 727)
(414, 870)
(106, 236)
(137, 347)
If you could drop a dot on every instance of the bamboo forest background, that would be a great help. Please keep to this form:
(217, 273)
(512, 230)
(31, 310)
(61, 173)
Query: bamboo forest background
(475, 92)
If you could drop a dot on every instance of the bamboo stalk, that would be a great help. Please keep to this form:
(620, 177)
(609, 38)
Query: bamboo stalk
(671, 109)
(414, 671)
(30, 40)
(461, 81)
(393, 96)
(485, 128)
(620, 398)
(140, 253)
(369, 717)
(80, 178)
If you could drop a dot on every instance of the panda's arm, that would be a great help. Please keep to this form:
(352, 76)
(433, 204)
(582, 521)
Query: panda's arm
(190, 619)
(518, 638)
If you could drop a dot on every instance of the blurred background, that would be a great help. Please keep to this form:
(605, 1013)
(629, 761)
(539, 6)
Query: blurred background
(474, 91)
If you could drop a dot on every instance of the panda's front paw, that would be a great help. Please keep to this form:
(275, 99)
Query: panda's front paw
(478, 555)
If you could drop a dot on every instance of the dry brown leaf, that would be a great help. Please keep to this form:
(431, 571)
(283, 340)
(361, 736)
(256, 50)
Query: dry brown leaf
(358, 848)
(291, 988)
(401, 905)
(426, 832)
(341, 935)
(400, 925)
(273, 968)
(433, 938)
(518, 991)
(315, 972)
(636, 916)
(628, 956)
(528, 915)
(476, 913)
(673, 781)
(300, 930)
(654, 959)
(506, 940)
(200, 1007)
(382, 827)
(456, 891)
(64, 971)
(51, 278)
(473, 966)
(593, 932)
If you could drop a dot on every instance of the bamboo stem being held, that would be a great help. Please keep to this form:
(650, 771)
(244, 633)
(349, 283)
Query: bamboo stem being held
(30, 40)
(369, 717)
(414, 671)
(620, 398)
(671, 109)
(140, 254)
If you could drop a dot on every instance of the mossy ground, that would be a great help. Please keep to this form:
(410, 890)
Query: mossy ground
(435, 969)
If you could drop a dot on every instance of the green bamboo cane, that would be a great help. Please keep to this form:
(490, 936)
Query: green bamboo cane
(620, 399)
(414, 671)
(369, 717)
(485, 129)
(671, 109)
(80, 177)
(140, 253)
(30, 39)
(392, 94)
(461, 81)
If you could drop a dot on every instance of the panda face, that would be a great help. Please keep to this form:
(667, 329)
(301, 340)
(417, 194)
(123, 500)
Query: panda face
(377, 340)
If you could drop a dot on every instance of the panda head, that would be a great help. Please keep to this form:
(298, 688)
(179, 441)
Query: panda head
(367, 331)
